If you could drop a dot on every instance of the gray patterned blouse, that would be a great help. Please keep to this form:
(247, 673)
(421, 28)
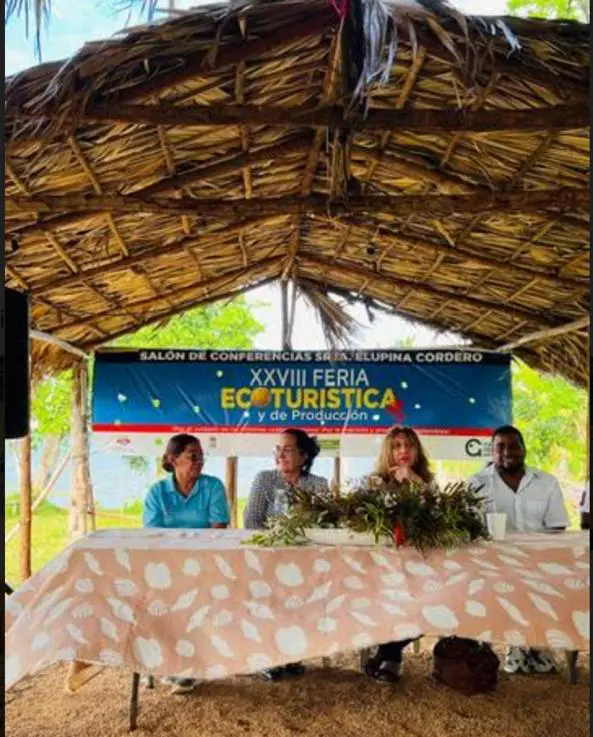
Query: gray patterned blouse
(268, 496)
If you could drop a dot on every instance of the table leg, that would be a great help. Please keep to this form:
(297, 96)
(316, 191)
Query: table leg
(150, 682)
(134, 701)
(571, 662)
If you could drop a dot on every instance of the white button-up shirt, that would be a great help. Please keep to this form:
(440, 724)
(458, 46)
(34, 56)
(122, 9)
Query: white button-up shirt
(537, 504)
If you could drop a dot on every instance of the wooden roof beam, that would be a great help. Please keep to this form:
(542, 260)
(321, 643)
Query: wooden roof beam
(143, 304)
(569, 327)
(211, 238)
(330, 92)
(435, 205)
(231, 294)
(466, 255)
(431, 291)
(419, 120)
(231, 55)
(169, 184)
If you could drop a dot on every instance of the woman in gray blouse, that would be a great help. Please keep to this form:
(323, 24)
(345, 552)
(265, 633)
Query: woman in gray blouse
(294, 452)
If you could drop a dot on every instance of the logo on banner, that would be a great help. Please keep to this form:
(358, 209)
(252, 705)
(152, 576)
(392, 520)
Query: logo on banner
(477, 448)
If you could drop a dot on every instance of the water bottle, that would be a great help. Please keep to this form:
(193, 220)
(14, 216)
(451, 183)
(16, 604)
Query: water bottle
(280, 502)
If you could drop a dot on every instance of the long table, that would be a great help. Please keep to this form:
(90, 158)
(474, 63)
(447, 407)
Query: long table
(199, 603)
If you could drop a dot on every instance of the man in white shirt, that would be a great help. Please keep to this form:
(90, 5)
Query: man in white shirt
(532, 501)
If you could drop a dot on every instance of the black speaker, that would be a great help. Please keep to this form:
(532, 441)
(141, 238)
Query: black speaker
(16, 363)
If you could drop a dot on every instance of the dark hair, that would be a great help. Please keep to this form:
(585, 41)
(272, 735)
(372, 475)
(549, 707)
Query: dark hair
(308, 446)
(509, 430)
(175, 447)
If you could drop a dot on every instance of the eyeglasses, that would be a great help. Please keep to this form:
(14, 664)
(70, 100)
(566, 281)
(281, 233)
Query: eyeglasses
(284, 450)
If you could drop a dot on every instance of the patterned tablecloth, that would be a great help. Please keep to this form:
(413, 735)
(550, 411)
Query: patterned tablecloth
(199, 603)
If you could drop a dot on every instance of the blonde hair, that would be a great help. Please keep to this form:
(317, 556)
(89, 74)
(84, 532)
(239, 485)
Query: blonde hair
(385, 460)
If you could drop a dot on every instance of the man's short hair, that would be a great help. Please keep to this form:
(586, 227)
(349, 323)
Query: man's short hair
(509, 430)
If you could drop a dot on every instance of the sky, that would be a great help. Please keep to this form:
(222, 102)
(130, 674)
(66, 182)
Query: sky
(75, 22)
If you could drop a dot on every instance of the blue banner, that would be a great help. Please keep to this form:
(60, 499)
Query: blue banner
(448, 392)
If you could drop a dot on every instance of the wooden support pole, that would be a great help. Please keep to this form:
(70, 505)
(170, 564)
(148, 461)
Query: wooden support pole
(81, 479)
(336, 480)
(231, 488)
(25, 472)
(284, 309)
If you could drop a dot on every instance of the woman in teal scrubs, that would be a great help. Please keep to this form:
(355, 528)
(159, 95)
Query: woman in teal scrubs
(187, 498)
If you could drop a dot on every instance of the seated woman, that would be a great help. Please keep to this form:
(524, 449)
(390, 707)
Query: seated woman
(294, 453)
(186, 498)
(402, 458)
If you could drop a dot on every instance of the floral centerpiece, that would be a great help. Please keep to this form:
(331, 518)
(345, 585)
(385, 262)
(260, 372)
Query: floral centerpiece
(419, 515)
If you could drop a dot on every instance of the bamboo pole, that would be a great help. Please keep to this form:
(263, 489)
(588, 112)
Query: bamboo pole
(25, 471)
(81, 481)
(231, 488)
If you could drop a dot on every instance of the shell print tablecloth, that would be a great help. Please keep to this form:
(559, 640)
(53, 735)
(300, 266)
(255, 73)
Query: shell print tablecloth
(199, 603)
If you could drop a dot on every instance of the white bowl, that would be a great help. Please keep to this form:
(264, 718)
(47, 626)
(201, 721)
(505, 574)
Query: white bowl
(339, 536)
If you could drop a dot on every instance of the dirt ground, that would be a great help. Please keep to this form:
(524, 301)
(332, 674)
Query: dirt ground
(327, 702)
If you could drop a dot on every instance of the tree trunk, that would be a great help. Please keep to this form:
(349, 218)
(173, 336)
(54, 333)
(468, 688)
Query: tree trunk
(81, 479)
(50, 456)
(25, 473)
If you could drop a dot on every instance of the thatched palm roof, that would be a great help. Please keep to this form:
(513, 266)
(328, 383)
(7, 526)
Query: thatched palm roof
(437, 166)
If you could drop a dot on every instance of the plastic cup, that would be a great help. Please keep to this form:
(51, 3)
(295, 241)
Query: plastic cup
(497, 525)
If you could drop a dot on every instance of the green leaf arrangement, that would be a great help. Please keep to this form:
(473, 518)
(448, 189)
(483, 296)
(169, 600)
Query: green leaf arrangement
(428, 517)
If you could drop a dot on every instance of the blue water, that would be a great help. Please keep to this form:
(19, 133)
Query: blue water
(115, 484)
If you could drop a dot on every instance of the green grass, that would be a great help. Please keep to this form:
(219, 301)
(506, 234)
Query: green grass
(50, 532)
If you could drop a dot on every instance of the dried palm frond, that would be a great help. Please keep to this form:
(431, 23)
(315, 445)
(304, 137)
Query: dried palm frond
(338, 326)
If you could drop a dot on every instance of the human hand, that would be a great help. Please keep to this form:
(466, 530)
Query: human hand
(404, 473)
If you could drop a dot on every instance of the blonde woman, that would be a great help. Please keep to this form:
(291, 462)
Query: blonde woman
(401, 458)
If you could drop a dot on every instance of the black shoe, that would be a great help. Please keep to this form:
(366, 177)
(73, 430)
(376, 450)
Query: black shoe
(272, 674)
(384, 671)
(294, 669)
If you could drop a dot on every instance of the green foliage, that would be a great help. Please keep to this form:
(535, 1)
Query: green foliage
(428, 517)
(559, 9)
(138, 464)
(552, 415)
(51, 406)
